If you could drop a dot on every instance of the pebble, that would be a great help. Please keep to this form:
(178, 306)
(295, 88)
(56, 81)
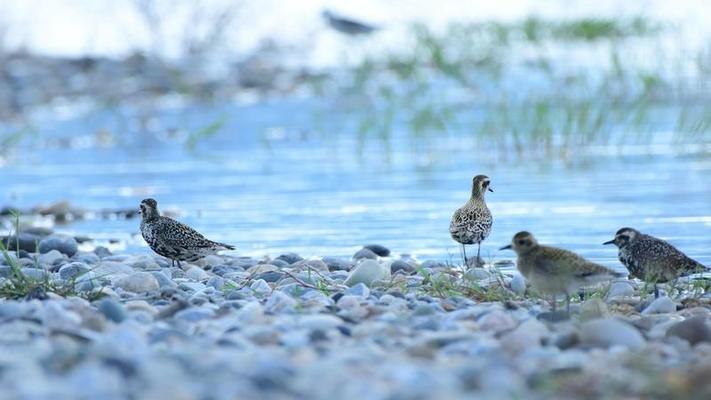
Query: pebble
(196, 274)
(496, 321)
(379, 250)
(51, 257)
(280, 302)
(660, 305)
(112, 310)
(337, 264)
(65, 244)
(619, 290)
(359, 289)
(365, 254)
(260, 287)
(138, 282)
(35, 274)
(163, 280)
(403, 267)
(366, 272)
(609, 332)
(73, 270)
(518, 284)
(289, 258)
(694, 330)
(593, 309)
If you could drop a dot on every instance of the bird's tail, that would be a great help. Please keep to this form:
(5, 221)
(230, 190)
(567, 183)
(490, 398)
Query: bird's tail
(224, 246)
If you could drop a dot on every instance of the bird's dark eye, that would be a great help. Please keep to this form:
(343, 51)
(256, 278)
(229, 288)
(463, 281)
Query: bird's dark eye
(521, 242)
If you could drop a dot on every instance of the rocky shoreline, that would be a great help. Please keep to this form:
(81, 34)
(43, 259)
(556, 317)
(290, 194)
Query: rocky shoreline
(91, 324)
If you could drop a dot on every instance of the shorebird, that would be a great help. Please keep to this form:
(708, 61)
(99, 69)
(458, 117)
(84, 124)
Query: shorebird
(172, 239)
(552, 270)
(651, 259)
(471, 223)
(347, 25)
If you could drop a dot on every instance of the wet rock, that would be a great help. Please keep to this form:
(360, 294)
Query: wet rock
(63, 243)
(379, 250)
(694, 330)
(26, 241)
(609, 332)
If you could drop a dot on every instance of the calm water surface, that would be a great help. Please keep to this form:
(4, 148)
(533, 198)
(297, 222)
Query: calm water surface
(271, 182)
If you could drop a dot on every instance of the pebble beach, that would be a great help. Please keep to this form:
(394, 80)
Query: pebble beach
(377, 325)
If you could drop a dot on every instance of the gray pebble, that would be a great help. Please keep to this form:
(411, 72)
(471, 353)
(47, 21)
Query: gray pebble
(609, 332)
(359, 289)
(138, 282)
(112, 310)
(694, 330)
(365, 253)
(380, 250)
(402, 267)
(289, 258)
(72, 270)
(337, 264)
(65, 244)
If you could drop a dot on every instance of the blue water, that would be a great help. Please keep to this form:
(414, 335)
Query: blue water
(275, 180)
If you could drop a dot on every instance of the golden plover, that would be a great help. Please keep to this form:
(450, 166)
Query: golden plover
(552, 270)
(651, 259)
(471, 223)
(172, 239)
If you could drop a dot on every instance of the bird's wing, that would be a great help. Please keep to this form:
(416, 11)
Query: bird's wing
(178, 234)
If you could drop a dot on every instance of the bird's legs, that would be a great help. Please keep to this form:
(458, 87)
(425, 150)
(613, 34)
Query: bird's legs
(567, 303)
(178, 261)
(464, 250)
(555, 305)
(172, 263)
(656, 291)
(478, 251)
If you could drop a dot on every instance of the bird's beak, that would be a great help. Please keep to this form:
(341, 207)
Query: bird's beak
(610, 241)
(507, 247)
(491, 190)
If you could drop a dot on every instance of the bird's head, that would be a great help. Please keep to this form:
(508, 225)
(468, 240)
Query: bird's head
(149, 209)
(624, 237)
(521, 243)
(480, 184)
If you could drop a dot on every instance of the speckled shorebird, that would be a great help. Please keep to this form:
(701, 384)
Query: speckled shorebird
(172, 239)
(471, 223)
(651, 259)
(552, 270)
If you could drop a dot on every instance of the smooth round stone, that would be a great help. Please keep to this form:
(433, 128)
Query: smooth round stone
(192, 286)
(261, 268)
(530, 334)
(337, 264)
(694, 330)
(145, 263)
(290, 258)
(73, 270)
(380, 250)
(196, 274)
(610, 332)
(280, 302)
(260, 287)
(280, 263)
(163, 280)
(138, 282)
(317, 265)
(477, 274)
(27, 242)
(518, 284)
(424, 309)
(35, 274)
(112, 310)
(216, 282)
(270, 276)
(496, 321)
(102, 251)
(593, 309)
(359, 289)
(402, 267)
(12, 310)
(194, 314)
(620, 289)
(51, 257)
(110, 268)
(367, 272)
(86, 258)
(65, 244)
(433, 264)
(365, 253)
(661, 305)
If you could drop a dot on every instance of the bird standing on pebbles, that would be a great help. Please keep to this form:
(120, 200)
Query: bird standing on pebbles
(172, 239)
(471, 223)
(651, 259)
(552, 270)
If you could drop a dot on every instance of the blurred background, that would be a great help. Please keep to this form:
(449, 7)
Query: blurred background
(319, 126)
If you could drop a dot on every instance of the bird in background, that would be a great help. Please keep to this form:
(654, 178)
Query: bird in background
(471, 223)
(553, 271)
(652, 259)
(172, 239)
(347, 25)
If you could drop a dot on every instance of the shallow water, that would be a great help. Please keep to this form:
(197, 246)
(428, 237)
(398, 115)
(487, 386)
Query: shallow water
(271, 181)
